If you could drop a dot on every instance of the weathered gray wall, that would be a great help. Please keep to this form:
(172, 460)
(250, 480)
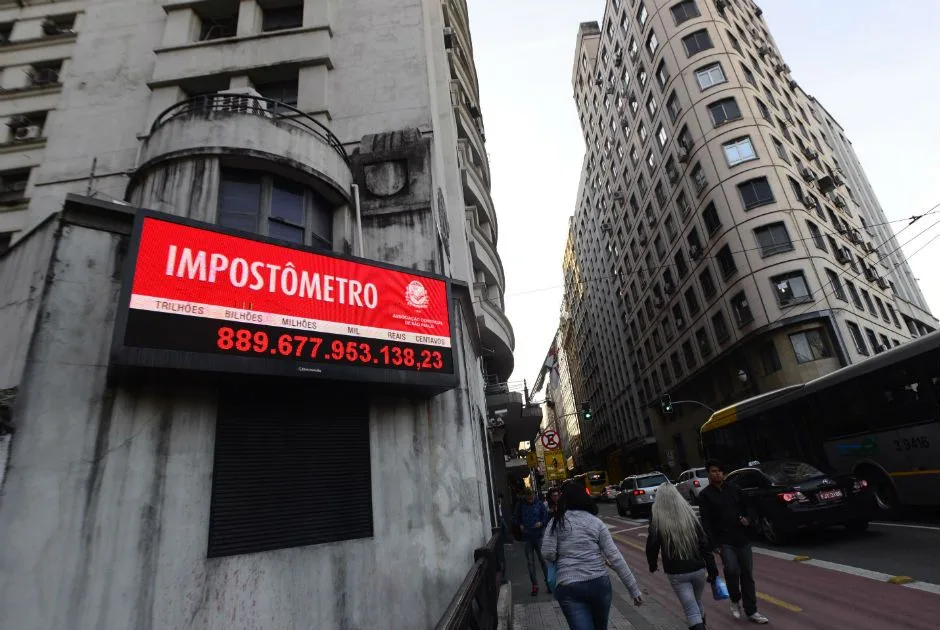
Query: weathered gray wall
(23, 272)
(107, 495)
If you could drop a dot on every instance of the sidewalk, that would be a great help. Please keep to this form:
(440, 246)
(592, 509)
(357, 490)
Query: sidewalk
(543, 613)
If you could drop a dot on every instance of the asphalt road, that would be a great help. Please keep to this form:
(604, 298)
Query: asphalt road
(897, 548)
(804, 595)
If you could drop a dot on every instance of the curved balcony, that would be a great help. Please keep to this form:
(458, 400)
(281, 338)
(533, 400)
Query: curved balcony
(468, 130)
(486, 256)
(461, 69)
(496, 336)
(242, 124)
(474, 188)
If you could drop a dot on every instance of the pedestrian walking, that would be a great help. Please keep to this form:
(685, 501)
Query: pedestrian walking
(676, 533)
(725, 521)
(531, 517)
(552, 501)
(578, 543)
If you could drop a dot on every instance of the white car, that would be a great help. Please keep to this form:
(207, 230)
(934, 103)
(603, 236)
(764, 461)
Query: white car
(691, 483)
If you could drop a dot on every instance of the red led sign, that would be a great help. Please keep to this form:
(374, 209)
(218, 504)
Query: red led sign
(201, 297)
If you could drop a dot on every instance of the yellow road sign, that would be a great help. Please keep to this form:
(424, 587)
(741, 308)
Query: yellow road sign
(555, 465)
(532, 459)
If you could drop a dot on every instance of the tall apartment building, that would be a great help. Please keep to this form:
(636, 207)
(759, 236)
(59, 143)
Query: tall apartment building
(726, 240)
(349, 127)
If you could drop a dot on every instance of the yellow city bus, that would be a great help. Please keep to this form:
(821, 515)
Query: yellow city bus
(878, 419)
(595, 481)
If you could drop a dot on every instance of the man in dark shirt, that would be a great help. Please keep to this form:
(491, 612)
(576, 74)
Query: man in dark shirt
(725, 521)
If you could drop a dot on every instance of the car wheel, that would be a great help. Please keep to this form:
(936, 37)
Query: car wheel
(856, 527)
(770, 532)
(620, 510)
(631, 511)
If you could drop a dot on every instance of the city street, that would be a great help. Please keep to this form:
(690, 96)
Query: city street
(826, 580)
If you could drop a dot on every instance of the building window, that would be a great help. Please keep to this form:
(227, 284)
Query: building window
(699, 181)
(642, 76)
(711, 218)
(271, 206)
(689, 355)
(269, 470)
(780, 150)
(217, 22)
(724, 111)
(672, 105)
(684, 11)
(739, 150)
(871, 305)
(662, 74)
(708, 283)
(651, 106)
(856, 300)
(791, 289)
(894, 315)
(873, 340)
(13, 186)
(691, 302)
(836, 284)
(288, 15)
(682, 203)
(704, 345)
(735, 43)
(755, 192)
(773, 239)
(697, 42)
(662, 136)
(726, 262)
(710, 75)
(769, 359)
(764, 112)
(652, 44)
(642, 15)
(681, 266)
(280, 91)
(720, 326)
(816, 236)
(810, 345)
(741, 310)
(748, 75)
(857, 337)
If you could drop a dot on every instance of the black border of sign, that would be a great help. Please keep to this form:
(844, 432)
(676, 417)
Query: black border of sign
(122, 356)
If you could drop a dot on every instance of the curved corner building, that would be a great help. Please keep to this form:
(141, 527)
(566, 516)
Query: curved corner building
(726, 237)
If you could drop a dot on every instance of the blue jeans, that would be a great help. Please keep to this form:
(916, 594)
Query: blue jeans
(586, 605)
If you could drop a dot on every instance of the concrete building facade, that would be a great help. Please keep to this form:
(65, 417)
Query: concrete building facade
(719, 249)
(275, 119)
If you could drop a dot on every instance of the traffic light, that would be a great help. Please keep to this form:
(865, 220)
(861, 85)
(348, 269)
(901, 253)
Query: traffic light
(586, 412)
(665, 404)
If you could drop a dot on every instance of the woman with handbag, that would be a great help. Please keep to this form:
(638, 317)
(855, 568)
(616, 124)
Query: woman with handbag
(577, 543)
(677, 534)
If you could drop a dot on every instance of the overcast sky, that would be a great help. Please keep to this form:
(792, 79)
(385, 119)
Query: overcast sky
(875, 67)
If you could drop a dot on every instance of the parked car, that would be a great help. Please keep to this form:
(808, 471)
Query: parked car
(783, 497)
(691, 483)
(610, 494)
(637, 494)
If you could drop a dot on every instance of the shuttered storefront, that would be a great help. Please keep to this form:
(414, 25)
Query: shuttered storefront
(291, 469)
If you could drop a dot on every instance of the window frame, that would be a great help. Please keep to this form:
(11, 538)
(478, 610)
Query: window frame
(699, 46)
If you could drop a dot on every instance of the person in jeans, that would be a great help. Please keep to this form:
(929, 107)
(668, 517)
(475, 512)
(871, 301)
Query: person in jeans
(531, 517)
(578, 543)
(676, 533)
(725, 521)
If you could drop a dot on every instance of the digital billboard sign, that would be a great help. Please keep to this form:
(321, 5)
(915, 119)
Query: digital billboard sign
(200, 297)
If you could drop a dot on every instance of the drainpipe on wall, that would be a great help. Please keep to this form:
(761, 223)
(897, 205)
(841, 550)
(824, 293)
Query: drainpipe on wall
(355, 191)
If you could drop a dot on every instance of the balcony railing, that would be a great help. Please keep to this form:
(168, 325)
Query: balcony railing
(474, 605)
(222, 104)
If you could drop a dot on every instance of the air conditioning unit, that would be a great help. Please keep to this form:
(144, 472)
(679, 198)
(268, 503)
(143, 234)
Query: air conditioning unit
(605, 227)
(843, 255)
(695, 252)
(809, 202)
(839, 201)
(618, 196)
(618, 60)
(764, 49)
(44, 76)
(683, 154)
(882, 283)
(871, 248)
(49, 28)
(808, 174)
(599, 79)
(837, 178)
(27, 132)
(721, 5)
(673, 176)
(810, 152)
(841, 229)
(793, 84)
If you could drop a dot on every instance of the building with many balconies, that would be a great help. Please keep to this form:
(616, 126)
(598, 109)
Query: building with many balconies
(349, 128)
(726, 239)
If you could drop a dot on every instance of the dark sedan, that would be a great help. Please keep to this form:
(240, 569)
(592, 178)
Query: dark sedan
(784, 497)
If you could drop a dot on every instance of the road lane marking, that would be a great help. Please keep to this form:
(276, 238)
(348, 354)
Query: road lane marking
(779, 602)
(924, 586)
(630, 543)
(936, 529)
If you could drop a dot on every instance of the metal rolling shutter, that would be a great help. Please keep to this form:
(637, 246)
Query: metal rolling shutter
(290, 470)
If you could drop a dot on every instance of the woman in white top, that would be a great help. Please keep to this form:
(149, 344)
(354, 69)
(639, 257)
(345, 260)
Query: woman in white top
(578, 543)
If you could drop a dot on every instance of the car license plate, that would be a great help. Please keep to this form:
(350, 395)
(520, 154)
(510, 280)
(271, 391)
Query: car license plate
(829, 495)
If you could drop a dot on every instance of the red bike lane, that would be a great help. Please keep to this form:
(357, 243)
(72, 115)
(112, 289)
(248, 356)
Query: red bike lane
(797, 596)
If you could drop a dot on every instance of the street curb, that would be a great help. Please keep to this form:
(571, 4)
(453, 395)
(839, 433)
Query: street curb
(504, 606)
(900, 580)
